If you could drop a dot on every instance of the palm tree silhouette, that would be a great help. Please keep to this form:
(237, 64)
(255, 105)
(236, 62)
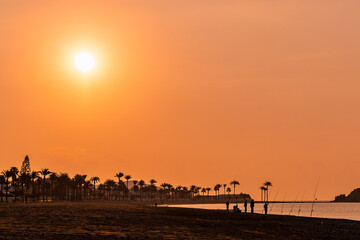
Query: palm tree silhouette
(64, 181)
(164, 185)
(141, 185)
(178, 191)
(44, 172)
(152, 182)
(224, 185)
(135, 187)
(95, 180)
(234, 182)
(267, 184)
(208, 190)
(216, 189)
(33, 176)
(203, 190)
(14, 179)
(262, 189)
(127, 177)
(109, 185)
(119, 175)
(228, 190)
(153, 187)
(24, 180)
(53, 179)
(7, 174)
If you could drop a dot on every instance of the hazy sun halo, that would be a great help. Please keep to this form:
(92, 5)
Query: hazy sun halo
(84, 61)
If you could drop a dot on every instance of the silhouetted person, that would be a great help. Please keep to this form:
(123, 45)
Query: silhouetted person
(155, 204)
(265, 207)
(252, 204)
(227, 205)
(245, 206)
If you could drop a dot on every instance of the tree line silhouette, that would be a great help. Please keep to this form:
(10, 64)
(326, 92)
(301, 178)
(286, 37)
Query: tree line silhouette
(45, 185)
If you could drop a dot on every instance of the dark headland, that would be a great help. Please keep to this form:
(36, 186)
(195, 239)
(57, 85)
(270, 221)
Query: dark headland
(354, 196)
(114, 220)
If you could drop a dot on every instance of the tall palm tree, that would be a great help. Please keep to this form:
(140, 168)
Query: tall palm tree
(224, 185)
(152, 182)
(64, 181)
(178, 191)
(203, 190)
(24, 180)
(262, 189)
(234, 182)
(228, 190)
(164, 185)
(153, 187)
(141, 185)
(53, 179)
(135, 187)
(7, 175)
(208, 190)
(216, 188)
(119, 175)
(79, 181)
(267, 184)
(95, 180)
(44, 172)
(14, 179)
(109, 185)
(127, 177)
(87, 186)
(33, 176)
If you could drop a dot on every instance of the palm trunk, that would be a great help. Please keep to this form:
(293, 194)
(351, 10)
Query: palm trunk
(127, 186)
(43, 189)
(267, 194)
(94, 189)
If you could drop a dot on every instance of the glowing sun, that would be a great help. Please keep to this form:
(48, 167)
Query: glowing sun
(84, 61)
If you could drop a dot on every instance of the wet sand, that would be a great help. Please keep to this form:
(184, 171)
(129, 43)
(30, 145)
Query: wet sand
(115, 220)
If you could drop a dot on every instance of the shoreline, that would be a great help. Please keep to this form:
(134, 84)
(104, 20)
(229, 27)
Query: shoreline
(295, 213)
(270, 214)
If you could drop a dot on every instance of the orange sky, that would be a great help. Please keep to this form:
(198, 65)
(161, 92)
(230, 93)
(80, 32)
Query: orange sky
(186, 92)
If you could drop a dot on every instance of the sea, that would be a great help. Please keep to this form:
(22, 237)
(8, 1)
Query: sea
(335, 210)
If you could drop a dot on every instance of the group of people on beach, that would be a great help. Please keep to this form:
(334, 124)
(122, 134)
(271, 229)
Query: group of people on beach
(252, 205)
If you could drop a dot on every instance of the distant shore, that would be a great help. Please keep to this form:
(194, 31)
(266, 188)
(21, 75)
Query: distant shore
(120, 220)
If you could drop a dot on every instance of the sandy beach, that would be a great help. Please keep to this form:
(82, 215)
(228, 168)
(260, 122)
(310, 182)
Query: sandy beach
(115, 220)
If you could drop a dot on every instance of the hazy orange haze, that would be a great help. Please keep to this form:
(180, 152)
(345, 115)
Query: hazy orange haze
(186, 92)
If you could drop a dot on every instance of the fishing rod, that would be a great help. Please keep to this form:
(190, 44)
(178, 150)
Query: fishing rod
(312, 205)
(274, 200)
(282, 205)
(302, 199)
(293, 204)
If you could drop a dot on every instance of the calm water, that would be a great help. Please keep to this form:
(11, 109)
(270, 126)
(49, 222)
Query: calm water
(322, 210)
